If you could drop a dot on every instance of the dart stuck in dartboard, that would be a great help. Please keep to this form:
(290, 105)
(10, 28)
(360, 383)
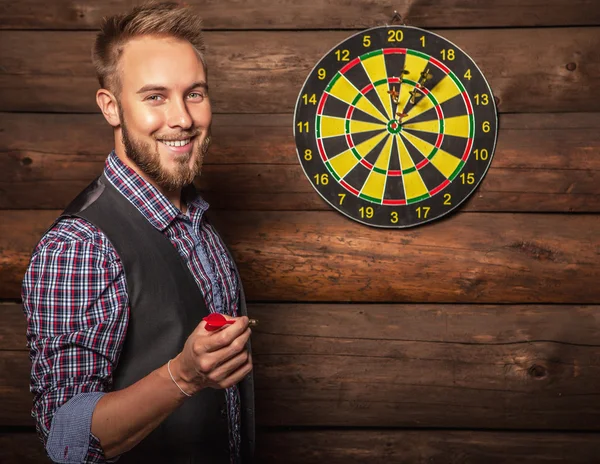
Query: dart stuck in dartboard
(395, 126)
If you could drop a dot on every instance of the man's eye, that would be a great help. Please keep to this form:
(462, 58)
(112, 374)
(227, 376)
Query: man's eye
(196, 95)
(153, 97)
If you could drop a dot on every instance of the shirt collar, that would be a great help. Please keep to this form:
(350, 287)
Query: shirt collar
(155, 207)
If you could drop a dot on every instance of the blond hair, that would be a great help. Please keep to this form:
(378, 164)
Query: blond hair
(162, 19)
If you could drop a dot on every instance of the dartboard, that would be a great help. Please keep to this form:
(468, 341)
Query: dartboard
(395, 126)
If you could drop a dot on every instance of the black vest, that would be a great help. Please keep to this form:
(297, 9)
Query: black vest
(166, 305)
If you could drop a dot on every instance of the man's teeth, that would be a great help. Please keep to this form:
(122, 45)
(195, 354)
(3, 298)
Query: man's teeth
(176, 143)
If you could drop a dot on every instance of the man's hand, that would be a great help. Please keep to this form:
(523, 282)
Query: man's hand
(217, 359)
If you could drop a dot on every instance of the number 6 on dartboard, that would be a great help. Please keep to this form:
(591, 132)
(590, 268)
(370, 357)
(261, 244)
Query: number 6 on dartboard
(395, 126)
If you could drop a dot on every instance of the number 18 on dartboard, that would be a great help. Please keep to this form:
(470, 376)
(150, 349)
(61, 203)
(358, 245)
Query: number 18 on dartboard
(395, 126)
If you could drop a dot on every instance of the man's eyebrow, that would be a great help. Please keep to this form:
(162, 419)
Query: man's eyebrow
(202, 84)
(161, 88)
(152, 88)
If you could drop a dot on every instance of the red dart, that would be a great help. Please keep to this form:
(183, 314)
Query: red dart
(215, 321)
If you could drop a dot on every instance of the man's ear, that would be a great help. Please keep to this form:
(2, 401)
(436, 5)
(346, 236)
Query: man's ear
(109, 106)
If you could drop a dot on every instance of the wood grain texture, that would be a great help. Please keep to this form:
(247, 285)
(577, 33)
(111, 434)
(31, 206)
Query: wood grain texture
(472, 366)
(322, 256)
(51, 71)
(46, 159)
(381, 447)
(319, 14)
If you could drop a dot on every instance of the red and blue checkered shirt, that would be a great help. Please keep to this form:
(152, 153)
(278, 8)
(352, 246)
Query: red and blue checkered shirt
(75, 299)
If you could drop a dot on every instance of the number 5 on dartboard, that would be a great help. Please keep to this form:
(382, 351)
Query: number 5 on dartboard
(401, 123)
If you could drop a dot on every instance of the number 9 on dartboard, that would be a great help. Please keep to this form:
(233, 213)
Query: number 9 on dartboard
(395, 126)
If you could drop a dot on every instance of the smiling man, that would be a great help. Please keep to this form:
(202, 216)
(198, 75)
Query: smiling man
(115, 293)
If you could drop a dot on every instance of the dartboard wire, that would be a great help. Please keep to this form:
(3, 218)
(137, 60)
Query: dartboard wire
(374, 169)
(438, 143)
(359, 95)
(361, 159)
(346, 123)
(393, 202)
(385, 107)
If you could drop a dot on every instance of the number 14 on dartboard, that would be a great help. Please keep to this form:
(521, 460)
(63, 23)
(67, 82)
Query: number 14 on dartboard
(395, 126)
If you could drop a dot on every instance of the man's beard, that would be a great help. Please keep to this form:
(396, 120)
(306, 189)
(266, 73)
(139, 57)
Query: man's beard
(147, 159)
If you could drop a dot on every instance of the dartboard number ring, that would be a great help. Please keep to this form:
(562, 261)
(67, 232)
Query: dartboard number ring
(395, 126)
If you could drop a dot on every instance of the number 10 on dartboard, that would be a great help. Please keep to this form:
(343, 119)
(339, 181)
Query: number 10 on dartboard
(395, 126)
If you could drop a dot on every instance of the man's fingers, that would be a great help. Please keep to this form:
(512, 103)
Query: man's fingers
(229, 367)
(234, 371)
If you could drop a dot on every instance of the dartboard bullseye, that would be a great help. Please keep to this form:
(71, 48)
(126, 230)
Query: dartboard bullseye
(395, 126)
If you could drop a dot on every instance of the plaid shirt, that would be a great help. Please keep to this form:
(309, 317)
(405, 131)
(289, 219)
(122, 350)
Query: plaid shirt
(75, 299)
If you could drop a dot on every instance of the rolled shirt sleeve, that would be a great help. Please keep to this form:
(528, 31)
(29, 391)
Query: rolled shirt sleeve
(75, 299)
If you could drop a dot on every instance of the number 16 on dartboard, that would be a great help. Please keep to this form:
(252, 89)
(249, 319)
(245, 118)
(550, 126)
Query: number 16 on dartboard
(395, 126)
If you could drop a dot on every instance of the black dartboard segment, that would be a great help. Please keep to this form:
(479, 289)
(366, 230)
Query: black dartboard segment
(395, 126)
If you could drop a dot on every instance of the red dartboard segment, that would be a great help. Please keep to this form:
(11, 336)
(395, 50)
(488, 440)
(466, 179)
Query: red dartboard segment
(350, 65)
(386, 183)
(440, 65)
(467, 101)
(440, 187)
(389, 51)
(394, 202)
(467, 150)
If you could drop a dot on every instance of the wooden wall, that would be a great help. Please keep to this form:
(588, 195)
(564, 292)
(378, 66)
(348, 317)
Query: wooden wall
(474, 339)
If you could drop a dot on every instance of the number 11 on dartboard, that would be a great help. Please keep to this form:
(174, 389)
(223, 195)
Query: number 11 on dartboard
(395, 127)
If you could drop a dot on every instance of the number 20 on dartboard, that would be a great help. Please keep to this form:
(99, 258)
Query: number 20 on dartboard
(395, 126)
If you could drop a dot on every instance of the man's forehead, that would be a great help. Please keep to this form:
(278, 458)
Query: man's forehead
(160, 61)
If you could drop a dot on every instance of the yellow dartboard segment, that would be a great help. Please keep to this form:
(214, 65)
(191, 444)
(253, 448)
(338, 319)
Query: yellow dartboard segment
(345, 91)
(383, 161)
(458, 126)
(376, 70)
(424, 104)
(331, 127)
(362, 126)
(414, 65)
(442, 160)
(414, 185)
(445, 90)
(405, 159)
(365, 147)
(374, 185)
(343, 163)
(425, 126)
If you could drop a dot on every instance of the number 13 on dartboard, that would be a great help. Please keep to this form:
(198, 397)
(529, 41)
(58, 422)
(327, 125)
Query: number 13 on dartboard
(395, 126)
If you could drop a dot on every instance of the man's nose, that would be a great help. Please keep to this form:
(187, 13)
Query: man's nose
(179, 116)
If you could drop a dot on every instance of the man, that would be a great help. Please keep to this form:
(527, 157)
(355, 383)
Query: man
(122, 365)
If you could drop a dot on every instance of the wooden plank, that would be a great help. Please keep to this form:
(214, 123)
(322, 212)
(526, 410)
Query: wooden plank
(485, 366)
(322, 256)
(535, 168)
(435, 323)
(51, 71)
(13, 325)
(431, 446)
(317, 14)
(381, 446)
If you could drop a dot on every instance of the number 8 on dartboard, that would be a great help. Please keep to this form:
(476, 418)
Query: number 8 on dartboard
(395, 126)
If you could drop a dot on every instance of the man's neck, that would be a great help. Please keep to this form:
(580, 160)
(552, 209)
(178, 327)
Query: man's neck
(174, 196)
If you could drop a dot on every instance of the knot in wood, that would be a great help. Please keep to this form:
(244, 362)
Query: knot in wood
(537, 371)
(571, 66)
